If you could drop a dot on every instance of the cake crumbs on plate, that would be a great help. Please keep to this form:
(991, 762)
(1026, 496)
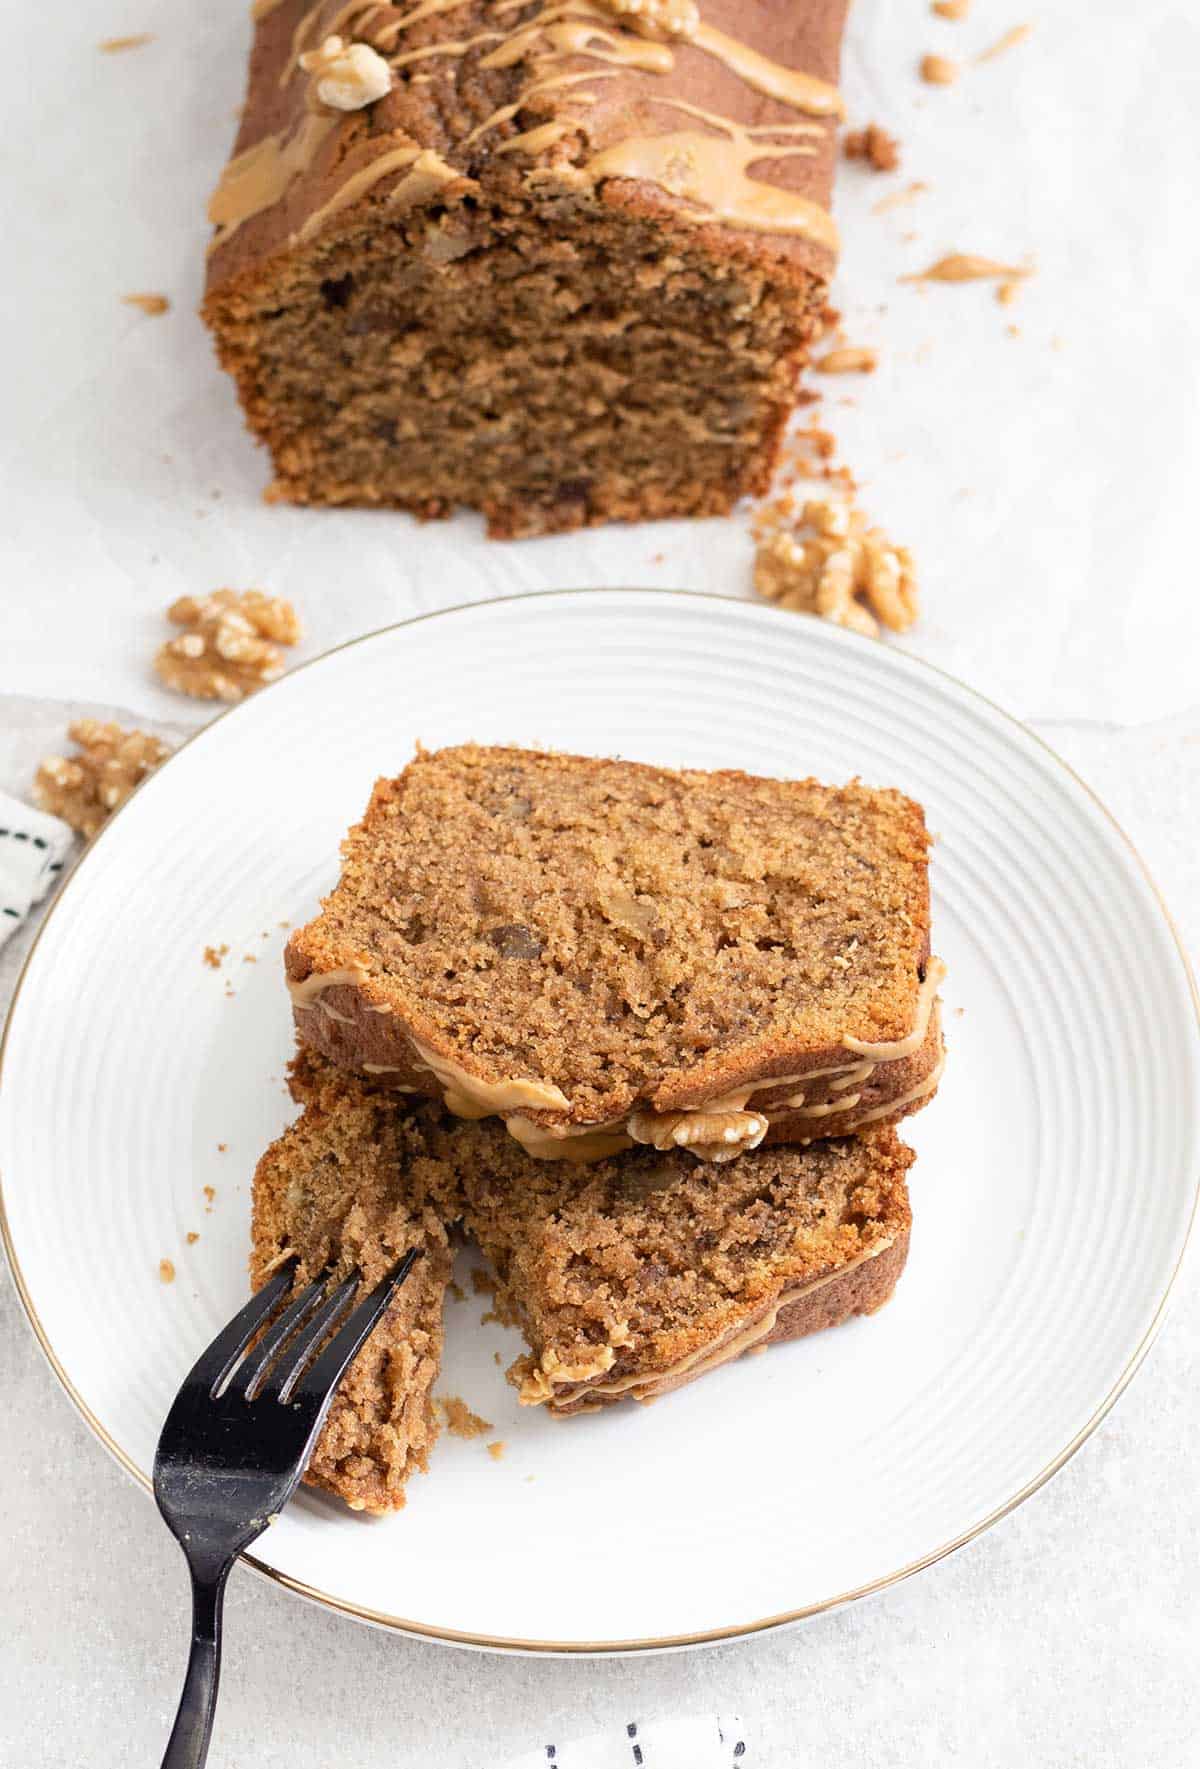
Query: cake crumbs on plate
(116, 45)
(496, 1448)
(851, 359)
(1010, 40)
(210, 1192)
(151, 305)
(213, 956)
(192, 1237)
(166, 1271)
(460, 1420)
(249, 958)
(938, 70)
(874, 146)
(222, 1148)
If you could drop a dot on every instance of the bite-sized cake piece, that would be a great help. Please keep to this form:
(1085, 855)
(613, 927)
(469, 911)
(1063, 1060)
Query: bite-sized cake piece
(560, 264)
(343, 1188)
(649, 1270)
(607, 955)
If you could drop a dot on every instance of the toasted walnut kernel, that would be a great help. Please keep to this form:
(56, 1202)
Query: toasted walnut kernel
(832, 564)
(880, 150)
(657, 18)
(231, 646)
(938, 70)
(86, 788)
(349, 76)
(711, 1136)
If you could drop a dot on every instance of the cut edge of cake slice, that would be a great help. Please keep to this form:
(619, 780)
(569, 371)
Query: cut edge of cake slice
(679, 894)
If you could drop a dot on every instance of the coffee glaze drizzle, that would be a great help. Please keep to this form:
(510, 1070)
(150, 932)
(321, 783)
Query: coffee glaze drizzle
(707, 169)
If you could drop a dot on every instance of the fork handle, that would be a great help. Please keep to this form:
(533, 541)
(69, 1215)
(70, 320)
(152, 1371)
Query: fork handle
(187, 1747)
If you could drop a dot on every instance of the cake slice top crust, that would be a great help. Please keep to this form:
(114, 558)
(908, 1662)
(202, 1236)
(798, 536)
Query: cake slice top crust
(343, 1188)
(649, 1269)
(720, 121)
(571, 938)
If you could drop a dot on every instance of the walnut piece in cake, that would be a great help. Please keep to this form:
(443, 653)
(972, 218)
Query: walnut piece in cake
(230, 646)
(880, 150)
(86, 788)
(833, 564)
(348, 76)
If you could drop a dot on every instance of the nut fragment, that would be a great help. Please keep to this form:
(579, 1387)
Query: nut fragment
(348, 76)
(711, 1136)
(938, 70)
(149, 304)
(851, 359)
(880, 150)
(833, 564)
(657, 18)
(231, 645)
(85, 789)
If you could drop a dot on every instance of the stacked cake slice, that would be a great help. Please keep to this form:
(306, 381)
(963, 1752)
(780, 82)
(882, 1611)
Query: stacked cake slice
(642, 1034)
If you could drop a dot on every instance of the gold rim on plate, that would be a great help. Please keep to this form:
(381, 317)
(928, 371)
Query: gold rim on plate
(711, 1636)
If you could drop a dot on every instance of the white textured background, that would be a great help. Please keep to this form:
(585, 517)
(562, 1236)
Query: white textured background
(1046, 484)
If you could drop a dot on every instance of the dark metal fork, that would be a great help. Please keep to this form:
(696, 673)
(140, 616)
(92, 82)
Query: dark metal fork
(234, 1446)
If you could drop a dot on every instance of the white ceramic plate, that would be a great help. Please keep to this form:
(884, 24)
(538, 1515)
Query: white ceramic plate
(1052, 1198)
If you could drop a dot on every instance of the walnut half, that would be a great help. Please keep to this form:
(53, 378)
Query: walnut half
(230, 645)
(710, 1136)
(86, 788)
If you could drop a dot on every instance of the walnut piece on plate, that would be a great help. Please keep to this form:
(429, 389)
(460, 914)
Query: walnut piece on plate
(230, 645)
(833, 564)
(86, 788)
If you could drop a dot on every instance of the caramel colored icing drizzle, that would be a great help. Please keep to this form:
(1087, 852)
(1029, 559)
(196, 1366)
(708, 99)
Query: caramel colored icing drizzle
(707, 169)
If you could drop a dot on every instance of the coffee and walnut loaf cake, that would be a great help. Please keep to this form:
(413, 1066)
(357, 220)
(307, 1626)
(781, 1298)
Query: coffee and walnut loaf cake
(608, 955)
(647, 1275)
(559, 262)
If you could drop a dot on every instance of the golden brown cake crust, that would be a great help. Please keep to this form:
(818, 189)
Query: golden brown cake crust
(633, 940)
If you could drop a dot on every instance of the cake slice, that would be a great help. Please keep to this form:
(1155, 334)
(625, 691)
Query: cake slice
(560, 264)
(343, 1188)
(609, 955)
(650, 1270)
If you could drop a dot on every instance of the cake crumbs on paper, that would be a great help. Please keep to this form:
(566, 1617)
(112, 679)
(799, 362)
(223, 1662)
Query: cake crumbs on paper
(456, 1290)
(496, 1448)
(850, 359)
(460, 1420)
(968, 267)
(938, 70)
(222, 1148)
(249, 958)
(213, 956)
(166, 1271)
(1010, 40)
(897, 199)
(873, 145)
(1006, 293)
(192, 1237)
(116, 45)
(951, 8)
(149, 304)
(210, 1192)
(497, 1359)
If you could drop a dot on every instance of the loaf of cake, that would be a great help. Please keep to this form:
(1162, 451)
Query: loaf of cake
(558, 262)
(650, 1273)
(342, 1189)
(608, 955)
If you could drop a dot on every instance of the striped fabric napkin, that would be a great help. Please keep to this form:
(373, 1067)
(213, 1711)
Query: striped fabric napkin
(33, 850)
(686, 1741)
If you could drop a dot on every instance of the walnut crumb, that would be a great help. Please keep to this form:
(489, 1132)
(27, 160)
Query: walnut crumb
(880, 150)
(166, 1271)
(348, 76)
(115, 45)
(850, 360)
(659, 19)
(192, 1237)
(938, 70)
(230, 645)
(213, 956)
(150, 304)
(833, 564)
(460, 1420)
(496, 1449)
(86, 788)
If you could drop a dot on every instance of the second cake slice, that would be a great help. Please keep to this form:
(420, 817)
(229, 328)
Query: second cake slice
(606, 954)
